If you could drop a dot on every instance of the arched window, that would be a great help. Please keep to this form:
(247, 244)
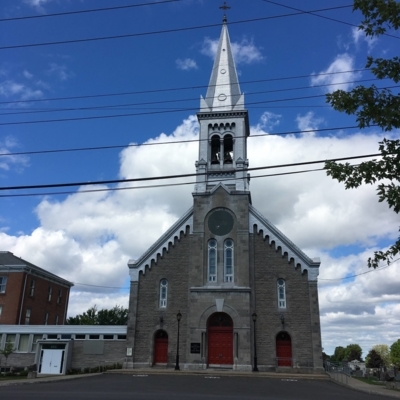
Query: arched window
(228, 260)
(163, 293)
(228, 149)
(215, 149)
(281, 293)
(212, 260)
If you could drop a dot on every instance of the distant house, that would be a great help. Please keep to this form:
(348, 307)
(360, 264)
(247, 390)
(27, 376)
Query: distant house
(30, 295)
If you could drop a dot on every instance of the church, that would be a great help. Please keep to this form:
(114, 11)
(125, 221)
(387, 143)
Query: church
(223, 287)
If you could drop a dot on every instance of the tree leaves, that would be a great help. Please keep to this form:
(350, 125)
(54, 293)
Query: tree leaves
(375, 106)
(115, 316)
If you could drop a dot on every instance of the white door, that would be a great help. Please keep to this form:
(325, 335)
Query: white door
(51, 361)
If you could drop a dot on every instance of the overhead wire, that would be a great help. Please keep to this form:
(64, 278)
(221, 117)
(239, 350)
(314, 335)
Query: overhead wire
(180, 88)
(320, 279)
(362, 273)
(159, 32)
(324, 17)
(116, 189)
(176, 141)
(98, 108)
(155, 112)
(25, 17)
(164, 177)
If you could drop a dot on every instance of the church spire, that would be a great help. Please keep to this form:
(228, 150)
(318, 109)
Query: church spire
(223, 93)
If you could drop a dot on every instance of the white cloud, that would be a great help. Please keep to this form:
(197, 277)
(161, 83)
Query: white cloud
(8, 162)
(11, 89)
(27, 74)
(269, 121)
(88, 238)
(61, 71)
(186, 64)
(335, 75)
(38, 4)
(244, 52)
(359, 35)
(308, 123)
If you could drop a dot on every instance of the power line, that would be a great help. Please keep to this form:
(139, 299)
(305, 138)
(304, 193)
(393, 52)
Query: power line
(362, 273)
(117, 181)
(144, 113)
(173, 142)
(320, 279)
(324, 17)
(160, 112)
(113, 107)
(165, 31)
(86, 11)
(178, 88)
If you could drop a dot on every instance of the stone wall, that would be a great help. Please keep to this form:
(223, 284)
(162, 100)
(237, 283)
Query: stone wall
(173, 265)
(269, 266)
(114, 352)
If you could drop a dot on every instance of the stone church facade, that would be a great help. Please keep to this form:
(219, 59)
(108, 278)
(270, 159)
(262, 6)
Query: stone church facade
(246, 295)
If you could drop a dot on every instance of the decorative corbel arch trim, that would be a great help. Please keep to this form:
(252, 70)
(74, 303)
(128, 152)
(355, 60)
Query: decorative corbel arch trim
(286, 247)
(163, 243)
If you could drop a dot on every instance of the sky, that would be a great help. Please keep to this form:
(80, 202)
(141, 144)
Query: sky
(138, 90)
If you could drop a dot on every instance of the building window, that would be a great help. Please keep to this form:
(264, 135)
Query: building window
(228, 260)
(212, 260)
(32, 288)
(46, 318)
(1, 310)
(34, 342)
(56, 319)
(3, 284)
(80, 337)
(49, 293)
(281, 293)
(23, 343)
(163, 293)
(221, 149)
(27, 316)
(10, 338)
(59, 296)
(228, 149)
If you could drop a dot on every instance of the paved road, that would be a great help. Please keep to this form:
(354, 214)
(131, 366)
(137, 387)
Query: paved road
(154, 387)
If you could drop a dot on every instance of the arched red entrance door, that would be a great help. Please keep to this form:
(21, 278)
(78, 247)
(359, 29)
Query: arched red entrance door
(160, 347)
(220, 339)
(284, 349)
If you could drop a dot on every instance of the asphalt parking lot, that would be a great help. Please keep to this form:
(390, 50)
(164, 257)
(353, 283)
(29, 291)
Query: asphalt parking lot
(149, 387)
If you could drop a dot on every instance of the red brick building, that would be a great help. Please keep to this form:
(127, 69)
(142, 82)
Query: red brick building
(30, 295)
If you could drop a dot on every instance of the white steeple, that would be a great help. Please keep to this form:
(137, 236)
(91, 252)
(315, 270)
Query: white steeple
(224, 127)
(223, 93)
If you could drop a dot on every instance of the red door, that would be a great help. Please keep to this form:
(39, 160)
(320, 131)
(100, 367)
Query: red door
(284, 350)
(220, 339)
(161, 348)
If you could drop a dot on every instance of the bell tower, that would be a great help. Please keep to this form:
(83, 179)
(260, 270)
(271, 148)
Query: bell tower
(224, 126)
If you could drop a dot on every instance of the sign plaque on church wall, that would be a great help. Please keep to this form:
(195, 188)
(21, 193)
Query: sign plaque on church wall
(195, 348)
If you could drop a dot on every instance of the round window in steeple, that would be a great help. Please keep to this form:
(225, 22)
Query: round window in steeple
(222, 97)
(223, 71)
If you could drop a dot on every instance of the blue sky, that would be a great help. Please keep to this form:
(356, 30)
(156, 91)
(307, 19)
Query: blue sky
(88, 238)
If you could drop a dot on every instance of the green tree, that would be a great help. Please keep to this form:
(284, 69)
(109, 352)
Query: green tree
(339, 354)
(383, 351)
(115, 316)
(375, 106)
(353, 352)
(395, 353)
(7, 351)
(373, 360)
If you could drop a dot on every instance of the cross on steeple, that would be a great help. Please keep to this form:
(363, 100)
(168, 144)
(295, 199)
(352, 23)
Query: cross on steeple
(225, 7)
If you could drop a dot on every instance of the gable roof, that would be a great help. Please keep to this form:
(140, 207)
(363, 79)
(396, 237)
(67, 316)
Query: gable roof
(286, 246)
(135, 266)
(11, 263)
